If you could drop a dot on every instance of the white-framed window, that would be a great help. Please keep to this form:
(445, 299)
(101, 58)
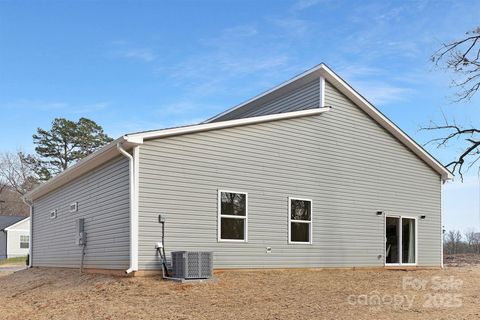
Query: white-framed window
(232, 216)
(24, 242)
(53, 214)
(299, 221)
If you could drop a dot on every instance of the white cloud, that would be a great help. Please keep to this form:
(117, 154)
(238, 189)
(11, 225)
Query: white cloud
(235, 53)
(292, 26)
(32, 104)
(143, 54)
(89, 108)
(380, 93)
(376, 91)
(305, 4)
(231, 36)
(353, 71)
(156, 122)
(127, 50)
(183, 108)
(246, 30)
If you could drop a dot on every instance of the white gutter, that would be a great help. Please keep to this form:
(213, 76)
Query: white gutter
(133, 165)
(30, 238)
(138, 138)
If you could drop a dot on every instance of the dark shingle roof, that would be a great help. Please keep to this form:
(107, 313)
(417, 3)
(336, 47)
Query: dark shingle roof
(7, 221)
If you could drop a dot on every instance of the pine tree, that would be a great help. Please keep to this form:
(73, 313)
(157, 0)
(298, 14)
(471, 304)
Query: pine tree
(65, 143)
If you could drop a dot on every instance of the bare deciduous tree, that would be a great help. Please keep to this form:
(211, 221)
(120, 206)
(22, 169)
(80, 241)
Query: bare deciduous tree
(11, 202)
(452, 241)
(16, 172)
(472, 240)
(462, 58)
(467, 138)
(17, 177)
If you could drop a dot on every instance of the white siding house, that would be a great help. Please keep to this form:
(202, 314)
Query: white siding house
(15, 238)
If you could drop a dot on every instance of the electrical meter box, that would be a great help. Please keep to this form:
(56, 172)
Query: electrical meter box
(81, 235)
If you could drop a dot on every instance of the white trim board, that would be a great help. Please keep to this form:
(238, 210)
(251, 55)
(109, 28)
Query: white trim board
(321, 100)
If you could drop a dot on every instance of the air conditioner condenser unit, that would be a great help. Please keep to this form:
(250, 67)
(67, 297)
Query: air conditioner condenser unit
(192, 264)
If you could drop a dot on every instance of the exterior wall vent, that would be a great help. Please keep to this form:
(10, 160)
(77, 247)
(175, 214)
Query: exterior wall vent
(74, 207)
(192, 264)
(53, 214)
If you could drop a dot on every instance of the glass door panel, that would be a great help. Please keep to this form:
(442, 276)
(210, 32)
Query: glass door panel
(408, 240)
(392, 254)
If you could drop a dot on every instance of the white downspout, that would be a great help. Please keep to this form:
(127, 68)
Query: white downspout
(442, 182)
(30, 238)
(133, 209)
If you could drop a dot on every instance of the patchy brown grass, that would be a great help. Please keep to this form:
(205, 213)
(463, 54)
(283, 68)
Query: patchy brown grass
(462, 259)
(14, 261)
(280, 294)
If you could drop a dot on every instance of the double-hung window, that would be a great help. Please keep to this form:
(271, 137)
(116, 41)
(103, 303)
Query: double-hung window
(24, 242)
(299, 220)
(232, 216)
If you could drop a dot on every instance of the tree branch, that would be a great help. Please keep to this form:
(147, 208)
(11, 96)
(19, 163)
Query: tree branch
(463, 58)
(471, 146)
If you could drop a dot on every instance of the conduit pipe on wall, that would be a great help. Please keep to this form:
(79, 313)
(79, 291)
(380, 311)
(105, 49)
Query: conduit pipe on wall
(133, 210)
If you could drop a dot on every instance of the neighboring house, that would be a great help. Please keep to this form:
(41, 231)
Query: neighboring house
(308, 174)
(14, 236)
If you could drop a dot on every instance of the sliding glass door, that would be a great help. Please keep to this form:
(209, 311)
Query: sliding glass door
(408, 240)
(400, 240)
(392, 232)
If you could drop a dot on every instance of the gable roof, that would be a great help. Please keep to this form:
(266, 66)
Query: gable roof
(7, 221)
(13, 226)
(323, 72)
(320, 72)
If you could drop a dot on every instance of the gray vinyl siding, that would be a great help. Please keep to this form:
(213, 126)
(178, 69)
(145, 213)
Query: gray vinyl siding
(3, 245)
(343, 160)
(302, 98)
(103, 200)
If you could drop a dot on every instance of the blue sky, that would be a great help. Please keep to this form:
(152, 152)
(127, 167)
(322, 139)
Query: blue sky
(138, 65)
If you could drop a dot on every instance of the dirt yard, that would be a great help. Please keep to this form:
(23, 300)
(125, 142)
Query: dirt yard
(297, 294)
